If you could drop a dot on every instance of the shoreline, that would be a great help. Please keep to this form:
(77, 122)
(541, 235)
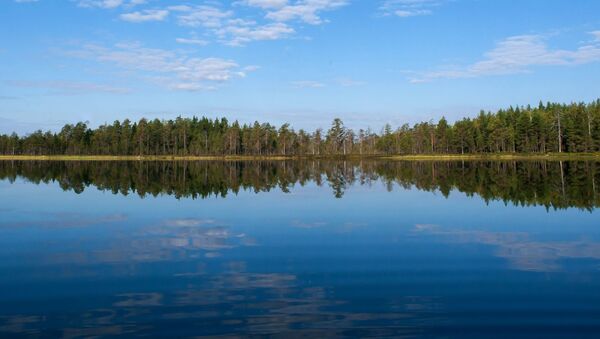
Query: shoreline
(421, 157)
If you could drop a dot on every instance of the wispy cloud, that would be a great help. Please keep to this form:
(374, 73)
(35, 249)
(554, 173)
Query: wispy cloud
(145, 15)
(348, 82)
(518, 54)
(100, 3)
(226, 28)
(305, 10)
(108, 4)
(10, 125)
(240, 32)
(409, 8)
(523, 252)
(69, 87)
(264, 4)
(69, 220)
(308, 225)
(172, 69)
(223, 22)
(201, 15)
(197, 42)
(192, 222)
(344, 82)
(307, 84)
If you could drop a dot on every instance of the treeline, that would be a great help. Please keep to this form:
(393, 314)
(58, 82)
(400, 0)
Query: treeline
(553, 184)
(547, 128)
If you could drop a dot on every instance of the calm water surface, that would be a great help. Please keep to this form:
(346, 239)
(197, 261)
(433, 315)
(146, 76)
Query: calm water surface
(318, 249)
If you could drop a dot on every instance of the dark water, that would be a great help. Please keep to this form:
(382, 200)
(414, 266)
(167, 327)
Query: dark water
(291, 249)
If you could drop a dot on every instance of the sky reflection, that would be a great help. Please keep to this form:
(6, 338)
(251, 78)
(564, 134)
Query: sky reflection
(375, 263)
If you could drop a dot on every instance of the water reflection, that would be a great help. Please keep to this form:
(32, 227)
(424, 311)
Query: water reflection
(305, 264)
(175, 239)
(233, 303)
(66, 220)
(518, 248)
(553, 184)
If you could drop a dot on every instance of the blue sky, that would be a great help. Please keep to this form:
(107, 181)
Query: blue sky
(298, 61)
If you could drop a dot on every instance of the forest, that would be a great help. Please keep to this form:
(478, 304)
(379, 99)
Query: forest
(550, 127)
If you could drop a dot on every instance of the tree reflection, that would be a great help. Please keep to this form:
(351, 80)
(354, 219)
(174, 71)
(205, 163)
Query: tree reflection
(529, 183)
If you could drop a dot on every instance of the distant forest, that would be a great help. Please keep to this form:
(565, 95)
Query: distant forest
(550, 127)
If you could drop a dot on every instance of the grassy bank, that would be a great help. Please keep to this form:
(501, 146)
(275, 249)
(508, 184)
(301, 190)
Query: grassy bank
(421, 157)
(496, 156)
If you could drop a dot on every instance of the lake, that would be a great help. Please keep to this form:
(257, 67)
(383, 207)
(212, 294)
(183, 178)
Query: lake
(300, 248)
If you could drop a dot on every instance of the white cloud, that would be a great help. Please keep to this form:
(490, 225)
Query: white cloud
(239, 32)
(406, 14)
(201, 16)
(519, 54)
(223, 24)
(307, 84)
(145, 15)
(226, 28)
(171, 69)
(305, 10)
(264, 4)
(409, 8)
(197, 42)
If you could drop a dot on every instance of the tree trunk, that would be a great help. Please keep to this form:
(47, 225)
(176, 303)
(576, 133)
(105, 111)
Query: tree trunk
(559, 137)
